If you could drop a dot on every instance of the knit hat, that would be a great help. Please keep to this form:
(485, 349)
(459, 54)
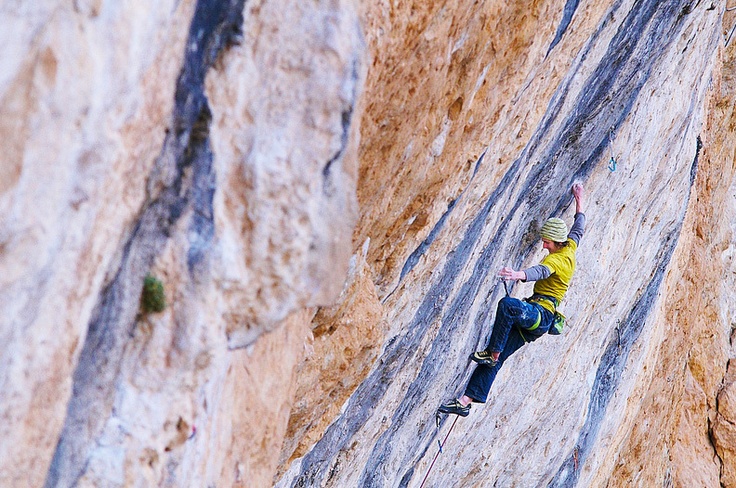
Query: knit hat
(554, 230)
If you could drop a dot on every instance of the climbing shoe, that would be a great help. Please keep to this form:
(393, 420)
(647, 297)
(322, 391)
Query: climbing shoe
(455, 407)
(483, 357)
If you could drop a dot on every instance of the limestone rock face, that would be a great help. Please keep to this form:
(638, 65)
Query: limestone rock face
(87, 93)
(639, 367)
(198, 142)
(288, 206)
(327, 191)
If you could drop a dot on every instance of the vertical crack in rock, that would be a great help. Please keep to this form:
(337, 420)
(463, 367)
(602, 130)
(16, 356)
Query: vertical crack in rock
(613, 361)
(414, 257)
(347, 116)
(328, 187)
(570, 7)
(202, 194)
(694, 168)
(189, 184)
(719, 417)
(572, 152)
(610, 370)
(317, 463)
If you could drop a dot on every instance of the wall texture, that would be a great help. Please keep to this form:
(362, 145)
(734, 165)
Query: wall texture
(326, 191)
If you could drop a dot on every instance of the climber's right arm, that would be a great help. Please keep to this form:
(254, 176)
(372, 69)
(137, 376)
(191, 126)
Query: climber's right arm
(578, 227)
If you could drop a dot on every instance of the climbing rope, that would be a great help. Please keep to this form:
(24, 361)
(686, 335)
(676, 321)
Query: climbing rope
(439, 451)
(441, 445)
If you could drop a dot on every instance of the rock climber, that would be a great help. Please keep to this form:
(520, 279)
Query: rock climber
(520, 321)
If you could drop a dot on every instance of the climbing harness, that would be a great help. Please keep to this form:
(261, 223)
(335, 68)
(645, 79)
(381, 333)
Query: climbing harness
(536, 324)
(439, 451)
(559, 320)
(537, 298)
(612, 162)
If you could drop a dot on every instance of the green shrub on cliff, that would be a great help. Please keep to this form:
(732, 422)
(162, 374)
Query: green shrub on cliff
(152, 296)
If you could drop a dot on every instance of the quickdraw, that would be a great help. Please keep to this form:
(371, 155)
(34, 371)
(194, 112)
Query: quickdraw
(612, 162)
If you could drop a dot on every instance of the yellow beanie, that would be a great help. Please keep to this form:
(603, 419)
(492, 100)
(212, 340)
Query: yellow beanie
(554, 230)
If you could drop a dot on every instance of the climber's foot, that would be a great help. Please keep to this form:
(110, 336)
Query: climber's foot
(455, 407)
(484, 357)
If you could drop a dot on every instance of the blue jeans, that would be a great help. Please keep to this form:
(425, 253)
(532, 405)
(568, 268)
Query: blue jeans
(513, 320)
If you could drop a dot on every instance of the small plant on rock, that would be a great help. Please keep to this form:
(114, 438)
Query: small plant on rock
(152, 296)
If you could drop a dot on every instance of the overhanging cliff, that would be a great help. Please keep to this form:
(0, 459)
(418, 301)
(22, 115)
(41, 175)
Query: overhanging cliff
(559, 410)
(327, 192)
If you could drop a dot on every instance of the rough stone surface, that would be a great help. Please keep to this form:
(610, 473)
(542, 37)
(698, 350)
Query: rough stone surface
(83, 115)
(133, 151)
(327, 190)
(615, 70)
(286, 139)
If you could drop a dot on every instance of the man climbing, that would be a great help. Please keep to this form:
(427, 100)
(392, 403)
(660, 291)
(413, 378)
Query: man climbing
(518, 322)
